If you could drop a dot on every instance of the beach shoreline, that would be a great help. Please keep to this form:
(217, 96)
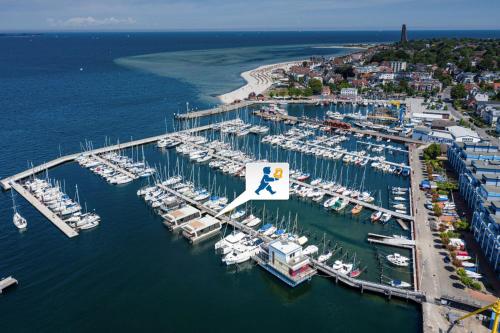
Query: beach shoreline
(257, 80)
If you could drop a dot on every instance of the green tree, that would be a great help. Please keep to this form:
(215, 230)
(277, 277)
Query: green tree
(437, 210)
(462, 224)
(458, 92)
(316, 86)
(432, 152)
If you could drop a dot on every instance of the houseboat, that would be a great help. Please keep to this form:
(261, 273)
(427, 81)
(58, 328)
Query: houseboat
(177, 218)
(286, 261)
(201, 228)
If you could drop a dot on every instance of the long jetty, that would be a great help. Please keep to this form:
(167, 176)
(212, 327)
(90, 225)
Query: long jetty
(235, 106)
(370, 158)
(5, 183)
(238, 105)
(374, 287)
(51, 216)
(12, 181)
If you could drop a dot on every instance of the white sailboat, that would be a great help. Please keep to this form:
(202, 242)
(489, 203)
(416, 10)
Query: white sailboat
(19, 221)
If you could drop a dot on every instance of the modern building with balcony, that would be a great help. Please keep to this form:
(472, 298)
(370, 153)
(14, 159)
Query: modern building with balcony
(478, 167)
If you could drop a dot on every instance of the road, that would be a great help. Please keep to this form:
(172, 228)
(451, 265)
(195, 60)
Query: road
(436, 278)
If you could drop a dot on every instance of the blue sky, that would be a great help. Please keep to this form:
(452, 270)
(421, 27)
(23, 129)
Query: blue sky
(82, 15)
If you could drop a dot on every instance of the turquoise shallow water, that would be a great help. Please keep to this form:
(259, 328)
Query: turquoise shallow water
(130, 273)
(216, 71)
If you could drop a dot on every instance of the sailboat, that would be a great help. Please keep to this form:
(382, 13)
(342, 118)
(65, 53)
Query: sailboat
(19, 221)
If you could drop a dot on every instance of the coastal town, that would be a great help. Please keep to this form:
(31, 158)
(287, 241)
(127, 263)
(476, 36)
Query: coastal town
(448, 98)
(394, 190)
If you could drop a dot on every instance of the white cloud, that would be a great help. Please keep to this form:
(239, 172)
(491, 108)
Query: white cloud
(89, 21)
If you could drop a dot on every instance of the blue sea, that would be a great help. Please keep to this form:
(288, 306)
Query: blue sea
(62, 92)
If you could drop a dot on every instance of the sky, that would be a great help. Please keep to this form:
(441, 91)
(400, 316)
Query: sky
(259, 15)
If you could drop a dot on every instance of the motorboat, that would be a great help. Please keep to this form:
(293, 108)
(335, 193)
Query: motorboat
(398, 260)
(309, 250)
(376, 216)
(331, 202)
(227, 243)
(385, 217)
(357, 209)
(325, 256)
(238, 214)
(400, 284)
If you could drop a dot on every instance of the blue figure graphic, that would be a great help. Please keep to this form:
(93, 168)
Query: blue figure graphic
(264, 183)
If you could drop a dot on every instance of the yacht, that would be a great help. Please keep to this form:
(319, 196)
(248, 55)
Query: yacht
(400, 284)
(398, 260)
(226, 244)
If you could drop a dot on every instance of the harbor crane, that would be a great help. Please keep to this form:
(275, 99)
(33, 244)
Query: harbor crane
(494, 307)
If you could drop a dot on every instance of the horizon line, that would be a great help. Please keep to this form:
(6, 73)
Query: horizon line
(31, 31)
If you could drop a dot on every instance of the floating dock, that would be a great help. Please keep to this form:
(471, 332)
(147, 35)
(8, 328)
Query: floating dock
(374, 287)
(402, 224)
(51, 216)
(115, 167)
(391, 241)
(6, 283)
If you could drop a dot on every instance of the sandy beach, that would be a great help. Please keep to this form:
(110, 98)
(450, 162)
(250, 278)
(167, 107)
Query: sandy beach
(258, 80)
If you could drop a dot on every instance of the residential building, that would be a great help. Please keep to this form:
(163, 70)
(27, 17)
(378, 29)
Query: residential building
(398, 66)
(478, 167)
(426, 85)
(349, 92)
(491, 116)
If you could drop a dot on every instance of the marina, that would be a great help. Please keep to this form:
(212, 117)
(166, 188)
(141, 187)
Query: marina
(191, 212)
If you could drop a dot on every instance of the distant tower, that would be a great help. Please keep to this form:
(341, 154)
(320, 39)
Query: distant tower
(404, 35)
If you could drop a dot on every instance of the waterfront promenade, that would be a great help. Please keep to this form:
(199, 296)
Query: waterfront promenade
(435, 278)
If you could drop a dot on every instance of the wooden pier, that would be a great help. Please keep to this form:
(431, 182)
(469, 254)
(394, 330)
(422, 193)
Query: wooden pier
(51, 216)
(330, 149)
(391, 241)
(374, 287)
(114, 167)
(402, 224)
(5, 183)
(235, 106)
(383, 146)
(7, 282)
(217, 110)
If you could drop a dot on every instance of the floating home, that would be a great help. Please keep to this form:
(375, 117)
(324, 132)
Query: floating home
(285, 260)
